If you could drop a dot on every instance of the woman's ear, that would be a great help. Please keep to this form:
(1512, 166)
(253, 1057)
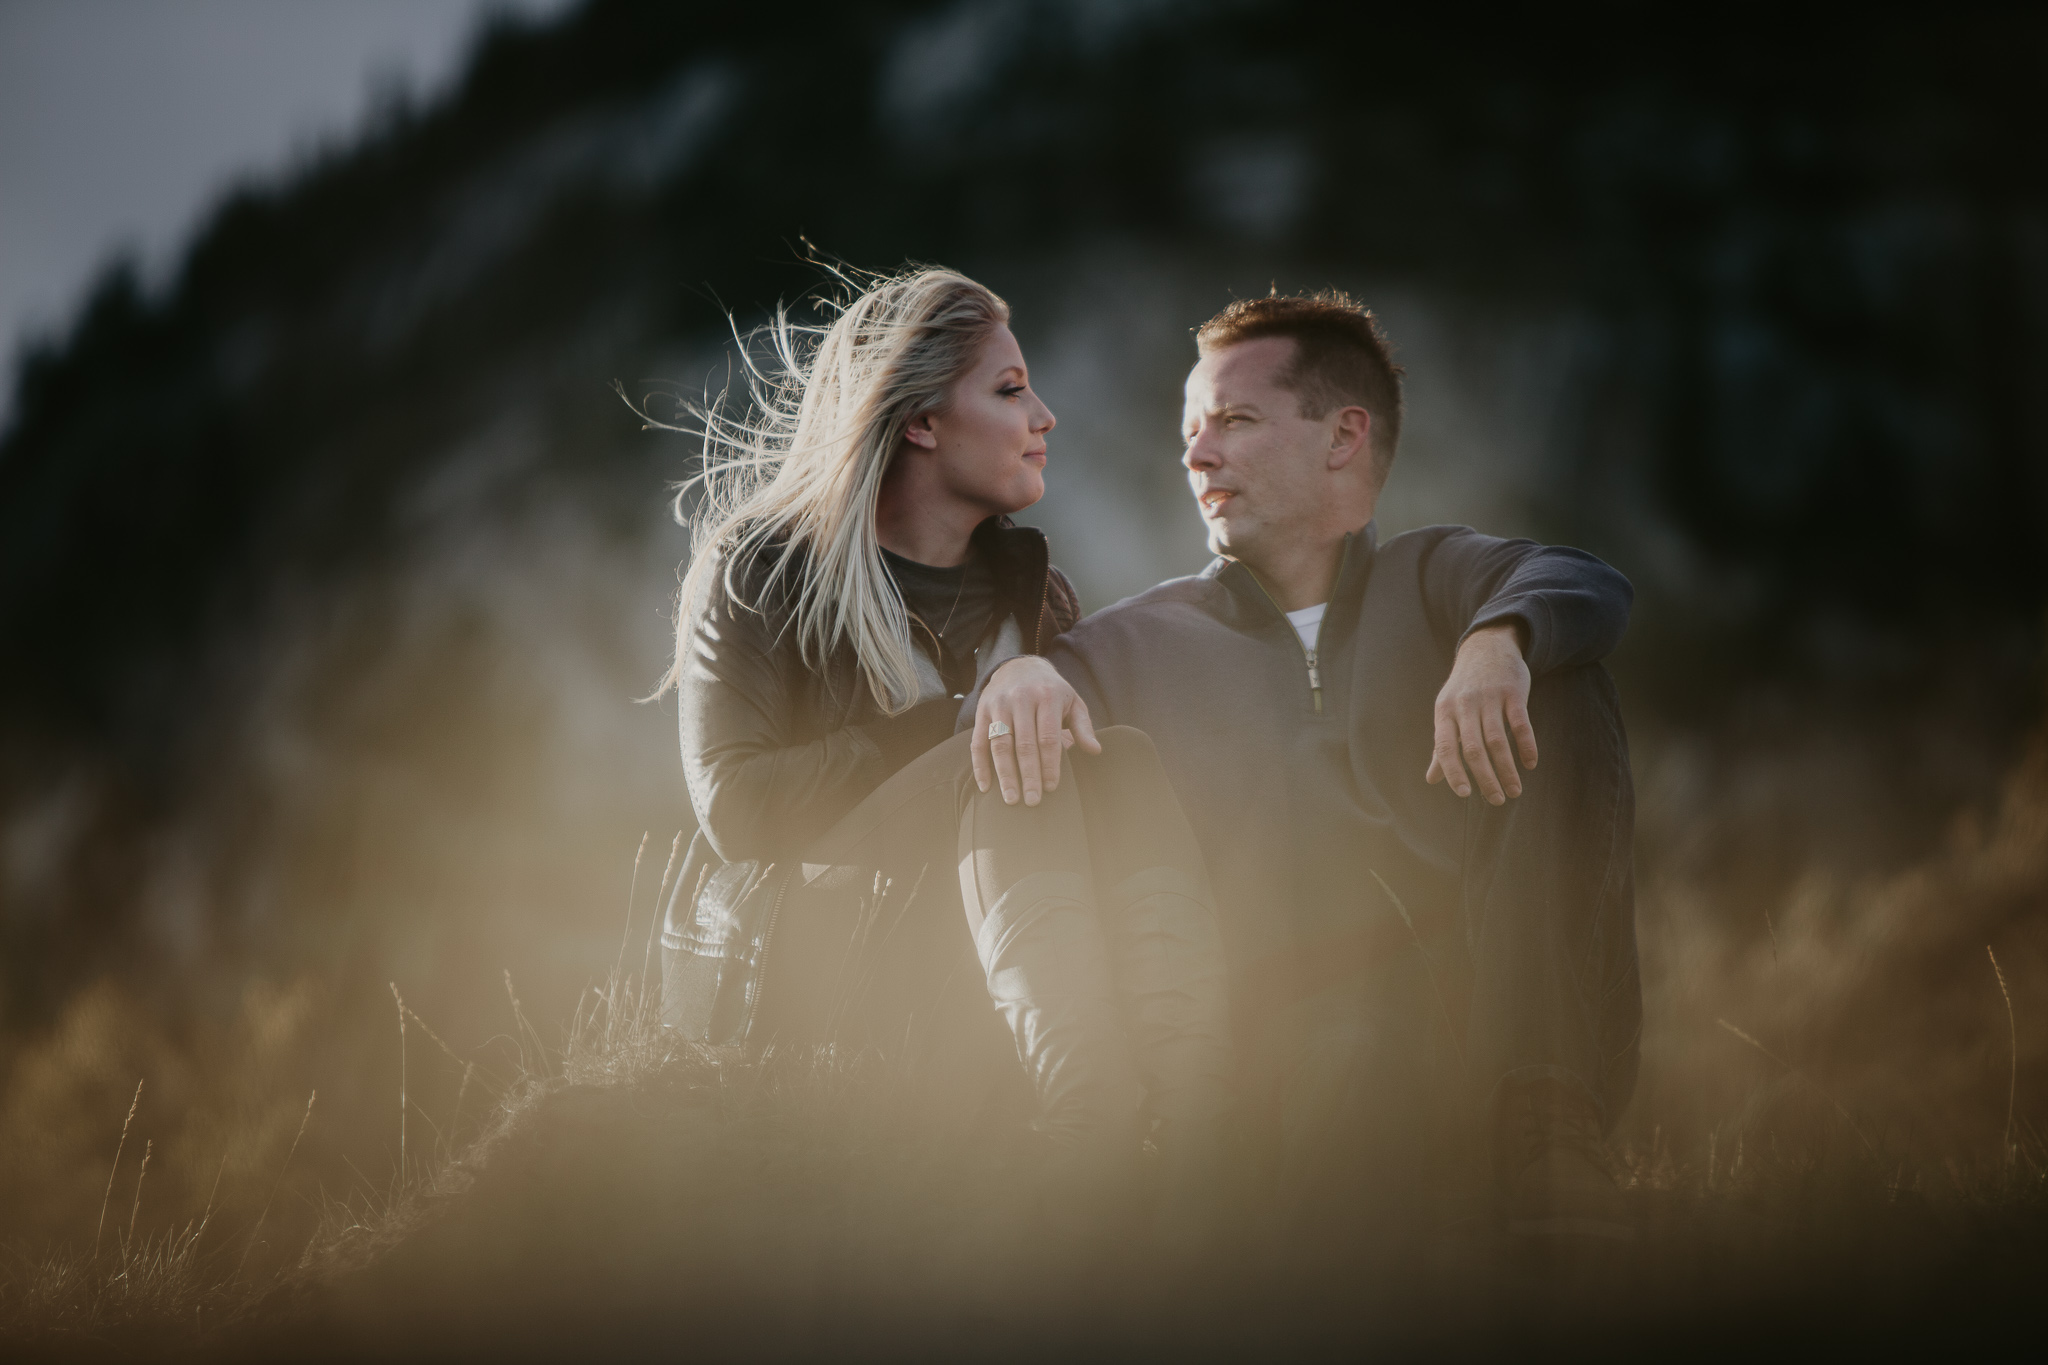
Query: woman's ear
(920, 434)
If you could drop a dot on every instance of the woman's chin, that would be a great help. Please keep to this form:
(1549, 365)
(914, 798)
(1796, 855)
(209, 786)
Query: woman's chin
(1025, 494)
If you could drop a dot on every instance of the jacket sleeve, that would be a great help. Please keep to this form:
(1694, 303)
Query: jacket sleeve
(1572, 607)
(758, 790)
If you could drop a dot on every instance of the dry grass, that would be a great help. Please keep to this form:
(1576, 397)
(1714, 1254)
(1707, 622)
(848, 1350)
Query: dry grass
(1837, 1104)
(181, 1281)
(819, 1151)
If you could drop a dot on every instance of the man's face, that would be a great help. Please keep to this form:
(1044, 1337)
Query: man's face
(1259, 469)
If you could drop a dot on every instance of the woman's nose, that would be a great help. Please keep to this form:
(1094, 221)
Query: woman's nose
(1046, 421)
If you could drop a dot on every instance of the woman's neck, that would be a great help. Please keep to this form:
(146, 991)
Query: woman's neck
(923, 523)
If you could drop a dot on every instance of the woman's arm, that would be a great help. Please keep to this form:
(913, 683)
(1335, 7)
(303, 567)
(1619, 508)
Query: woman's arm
(757, 790)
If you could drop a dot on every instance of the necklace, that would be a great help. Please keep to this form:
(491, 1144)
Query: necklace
(962, 587)
(939, 635)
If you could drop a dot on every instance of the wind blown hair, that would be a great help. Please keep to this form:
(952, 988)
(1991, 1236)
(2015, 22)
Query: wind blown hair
(794, 477)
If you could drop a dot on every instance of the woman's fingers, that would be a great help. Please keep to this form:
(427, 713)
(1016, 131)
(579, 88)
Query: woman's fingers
(1024, 721)
(1083, 728)
(1050, 749)
(1038, 706)
(1003, 754)
(977, 748)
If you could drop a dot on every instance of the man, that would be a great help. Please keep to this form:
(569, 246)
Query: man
(1328, 707)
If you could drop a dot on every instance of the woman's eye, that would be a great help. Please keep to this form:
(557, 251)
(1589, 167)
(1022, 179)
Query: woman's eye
(1011, 390)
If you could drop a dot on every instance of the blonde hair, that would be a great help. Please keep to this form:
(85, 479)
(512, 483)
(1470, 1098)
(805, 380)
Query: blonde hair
(804, 463)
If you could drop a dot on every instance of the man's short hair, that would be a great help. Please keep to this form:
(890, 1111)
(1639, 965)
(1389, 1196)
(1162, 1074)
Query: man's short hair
(1341, 358)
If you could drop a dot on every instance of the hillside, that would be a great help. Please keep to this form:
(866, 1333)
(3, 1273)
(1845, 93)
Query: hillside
(330, 565)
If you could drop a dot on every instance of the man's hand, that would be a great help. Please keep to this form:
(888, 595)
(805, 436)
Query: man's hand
(1485, 700)
(1044, 714)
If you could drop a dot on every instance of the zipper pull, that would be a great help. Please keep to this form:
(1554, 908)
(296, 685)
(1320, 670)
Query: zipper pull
(1315, 679)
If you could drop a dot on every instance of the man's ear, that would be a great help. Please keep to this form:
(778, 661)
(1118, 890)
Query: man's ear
(920, 434)
(1352, 436)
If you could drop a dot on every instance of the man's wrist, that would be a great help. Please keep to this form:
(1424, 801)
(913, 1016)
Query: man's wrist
(1513, 628)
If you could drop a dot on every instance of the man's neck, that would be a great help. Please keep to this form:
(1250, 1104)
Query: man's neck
(1298, 576)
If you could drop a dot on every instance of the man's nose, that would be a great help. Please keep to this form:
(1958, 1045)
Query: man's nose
(1198, 454)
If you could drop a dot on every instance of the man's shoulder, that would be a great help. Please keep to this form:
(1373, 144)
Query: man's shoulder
(1420, 542)
(1172, 598)
(1183, 600)
(1427, 552)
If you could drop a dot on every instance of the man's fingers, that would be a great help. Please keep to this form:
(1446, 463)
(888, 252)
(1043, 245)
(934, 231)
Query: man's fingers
(1084, 728)
(1525, 733)
(1445, 762)
(1472, 748)
(1497, 750)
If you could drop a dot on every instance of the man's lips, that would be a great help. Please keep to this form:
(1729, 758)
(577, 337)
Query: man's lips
(1213, 499)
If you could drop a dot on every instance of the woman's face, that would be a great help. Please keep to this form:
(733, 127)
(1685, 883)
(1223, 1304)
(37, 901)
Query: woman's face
(990, 439)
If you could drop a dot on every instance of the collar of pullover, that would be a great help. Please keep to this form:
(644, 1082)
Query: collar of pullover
(1354, 567)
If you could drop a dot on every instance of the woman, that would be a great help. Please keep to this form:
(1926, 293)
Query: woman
(855, 582)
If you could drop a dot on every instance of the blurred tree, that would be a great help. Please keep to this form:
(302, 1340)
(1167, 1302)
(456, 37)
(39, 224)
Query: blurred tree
(1808, 264)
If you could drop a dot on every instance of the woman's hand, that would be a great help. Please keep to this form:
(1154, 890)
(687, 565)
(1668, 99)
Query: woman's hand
(1041, 715)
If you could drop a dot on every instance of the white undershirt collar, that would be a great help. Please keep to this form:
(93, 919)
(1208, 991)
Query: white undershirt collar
(1307, 622)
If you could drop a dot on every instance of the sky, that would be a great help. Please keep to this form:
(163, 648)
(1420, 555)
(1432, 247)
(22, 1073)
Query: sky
(122, 121)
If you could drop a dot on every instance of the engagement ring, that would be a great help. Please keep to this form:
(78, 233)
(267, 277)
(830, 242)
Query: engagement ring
(998, 728)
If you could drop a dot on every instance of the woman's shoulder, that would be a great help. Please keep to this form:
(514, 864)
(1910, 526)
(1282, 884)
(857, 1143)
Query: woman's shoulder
(759, 578)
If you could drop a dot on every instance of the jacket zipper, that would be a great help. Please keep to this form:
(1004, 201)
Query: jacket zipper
(1038, 622)
(1310, 654)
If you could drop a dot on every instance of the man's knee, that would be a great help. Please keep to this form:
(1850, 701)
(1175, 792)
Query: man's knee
(1576, 714)
(1576, 692)
(1126, 769)
(1127, 743)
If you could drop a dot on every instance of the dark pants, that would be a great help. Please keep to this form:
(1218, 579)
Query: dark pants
(1526, 970)
(874, 947)
(1548, 907)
